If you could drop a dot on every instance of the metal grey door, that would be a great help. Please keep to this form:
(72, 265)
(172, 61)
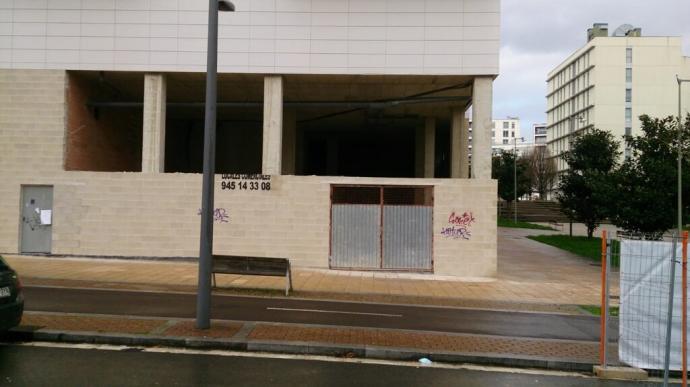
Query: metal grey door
(36, 218)
(356, 236)
(407, 237)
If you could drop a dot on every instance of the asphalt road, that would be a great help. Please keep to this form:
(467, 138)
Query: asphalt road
(133, 303)
(46, 366)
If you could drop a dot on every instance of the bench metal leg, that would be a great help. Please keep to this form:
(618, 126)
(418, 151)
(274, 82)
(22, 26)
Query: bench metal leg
(288, 282)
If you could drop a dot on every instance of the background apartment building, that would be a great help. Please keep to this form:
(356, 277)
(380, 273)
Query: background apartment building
(611, 81)
(504, 133)
(342, 140)
(540, 135)
(505, 130)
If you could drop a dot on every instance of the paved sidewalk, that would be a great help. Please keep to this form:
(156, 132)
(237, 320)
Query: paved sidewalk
(532, 276)
(312, 339)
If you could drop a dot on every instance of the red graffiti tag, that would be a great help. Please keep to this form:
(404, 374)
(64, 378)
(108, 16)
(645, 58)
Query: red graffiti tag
(465, 219)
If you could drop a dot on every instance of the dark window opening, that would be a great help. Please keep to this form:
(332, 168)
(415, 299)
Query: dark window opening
(382, 195)
(356, 195)
(239, 128)
(103, 138)
(358, 146)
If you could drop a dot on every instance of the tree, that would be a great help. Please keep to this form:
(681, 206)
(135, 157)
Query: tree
(503, 170)
(541, 170)
(586, 188)
(647, 181)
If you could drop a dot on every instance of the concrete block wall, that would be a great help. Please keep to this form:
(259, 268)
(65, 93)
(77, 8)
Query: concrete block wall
(155, 214)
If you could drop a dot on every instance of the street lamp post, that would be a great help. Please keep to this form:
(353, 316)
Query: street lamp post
(203, 300)
(680, 155)
(515, 175)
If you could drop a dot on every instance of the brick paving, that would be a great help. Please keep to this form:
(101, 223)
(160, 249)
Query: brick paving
(572, 350)
(90, 324)
(218, 329)
(564, 350)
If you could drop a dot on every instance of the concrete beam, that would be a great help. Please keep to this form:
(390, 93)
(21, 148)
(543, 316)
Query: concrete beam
(273, 125)
(153, 136)
(429, 147)
(482, 101)
(289, 142)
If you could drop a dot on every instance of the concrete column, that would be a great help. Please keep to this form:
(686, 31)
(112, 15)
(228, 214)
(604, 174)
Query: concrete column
(419, 151)
(465, 148)
(273, 125)
(153, 136)
(456, 151)
(289, 142)
(482, 100)
(429, 147)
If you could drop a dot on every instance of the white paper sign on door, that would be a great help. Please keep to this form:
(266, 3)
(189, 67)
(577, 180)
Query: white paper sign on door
(46, 217)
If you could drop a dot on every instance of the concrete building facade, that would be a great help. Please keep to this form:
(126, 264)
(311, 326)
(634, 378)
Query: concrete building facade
(341, 125)
(611, 81)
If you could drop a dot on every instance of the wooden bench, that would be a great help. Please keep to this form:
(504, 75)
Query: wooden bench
(274, 267)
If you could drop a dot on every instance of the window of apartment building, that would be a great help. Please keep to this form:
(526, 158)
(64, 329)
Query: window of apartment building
(505, 125)
(628, 55)
(628, 75)
(628, 95)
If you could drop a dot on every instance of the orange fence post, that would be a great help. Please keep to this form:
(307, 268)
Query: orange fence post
(602, 334)
(684, 334)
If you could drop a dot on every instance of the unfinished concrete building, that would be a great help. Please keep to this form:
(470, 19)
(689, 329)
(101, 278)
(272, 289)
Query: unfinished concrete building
(342, 138)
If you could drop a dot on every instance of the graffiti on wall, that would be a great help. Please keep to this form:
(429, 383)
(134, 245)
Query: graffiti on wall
(220, 215)
(459, 226)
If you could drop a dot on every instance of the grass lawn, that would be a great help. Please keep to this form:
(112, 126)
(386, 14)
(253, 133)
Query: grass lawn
(503, 222)
(596, 311)
(579, 245)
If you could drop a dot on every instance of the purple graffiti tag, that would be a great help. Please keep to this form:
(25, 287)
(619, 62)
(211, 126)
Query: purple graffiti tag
(459, 226)
(220, 215)
(456, 232)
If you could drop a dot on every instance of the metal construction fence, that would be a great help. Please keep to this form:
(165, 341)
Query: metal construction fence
(652, 307)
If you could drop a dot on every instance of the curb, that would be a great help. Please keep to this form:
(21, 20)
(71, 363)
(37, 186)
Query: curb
(22, 334)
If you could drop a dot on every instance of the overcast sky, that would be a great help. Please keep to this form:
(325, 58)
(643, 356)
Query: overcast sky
(537, 35)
